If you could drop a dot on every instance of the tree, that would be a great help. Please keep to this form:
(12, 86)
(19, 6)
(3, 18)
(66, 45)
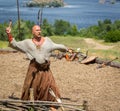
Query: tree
(112, 36)
(117, 24)
(25, 30)
(3, 35)
(74, 30)
(47, 29)
(61, 27)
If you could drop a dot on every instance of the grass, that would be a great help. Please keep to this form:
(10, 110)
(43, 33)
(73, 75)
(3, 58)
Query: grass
(3, 44)
(78, 42)
(71, 42)
(106, 54)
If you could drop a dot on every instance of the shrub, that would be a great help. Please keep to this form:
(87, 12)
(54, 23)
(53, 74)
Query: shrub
(47, 29)
(3, 35)
(112, 36)
(61, 27)
(73, 31)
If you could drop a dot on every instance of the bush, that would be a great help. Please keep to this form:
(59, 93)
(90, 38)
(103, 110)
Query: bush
(3, 35)
(112, 36)
(47, 29)
(25, 30)
(73, 31)
(61, 27)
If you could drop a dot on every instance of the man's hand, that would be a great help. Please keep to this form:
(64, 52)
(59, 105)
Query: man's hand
(8, 30)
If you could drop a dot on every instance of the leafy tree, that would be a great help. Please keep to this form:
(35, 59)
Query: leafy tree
(47, 29)
(25, 30)
(104, 26)
(117, 24)
(61, 27)
(83, 32)
(3, 35)
(106, 30)
(107, 21)
(112, 36)
(73, 31)
(91, 31)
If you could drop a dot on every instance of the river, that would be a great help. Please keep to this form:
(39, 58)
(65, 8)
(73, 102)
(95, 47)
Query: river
(82, 13)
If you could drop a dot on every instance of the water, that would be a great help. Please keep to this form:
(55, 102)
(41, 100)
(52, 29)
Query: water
(83, 13)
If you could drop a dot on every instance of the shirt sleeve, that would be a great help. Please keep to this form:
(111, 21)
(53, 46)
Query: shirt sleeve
(21, 45)
(60, 47)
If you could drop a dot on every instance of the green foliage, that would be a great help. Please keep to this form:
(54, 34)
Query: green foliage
(25, 30)
(117, 24)
(107, 21)
(44, 4)
(73, 31)
(105, 30)
(2, 32)
(112, 36)
(3, 44)
(47, 29)
(55, 4)
(61, 27)
(90, 32)
(36, 4)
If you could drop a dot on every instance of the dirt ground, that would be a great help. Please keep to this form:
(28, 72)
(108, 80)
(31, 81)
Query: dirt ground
(79, 82)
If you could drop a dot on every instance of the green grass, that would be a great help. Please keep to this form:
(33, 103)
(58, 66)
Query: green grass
(3, 44)
(71, 42)
(106, 54)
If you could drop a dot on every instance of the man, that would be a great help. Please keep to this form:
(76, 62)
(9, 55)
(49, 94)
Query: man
(39, 76)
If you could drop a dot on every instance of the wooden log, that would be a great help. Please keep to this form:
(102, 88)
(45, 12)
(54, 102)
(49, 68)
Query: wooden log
(5, 51)
(85, 59)
(107, 63)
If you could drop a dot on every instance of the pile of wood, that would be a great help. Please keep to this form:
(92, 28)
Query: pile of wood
(13, 105)
(85, 59)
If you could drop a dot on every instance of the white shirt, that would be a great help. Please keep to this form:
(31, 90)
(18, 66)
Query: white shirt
(40, 54)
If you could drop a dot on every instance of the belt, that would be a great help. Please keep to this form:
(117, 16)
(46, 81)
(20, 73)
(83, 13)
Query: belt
(43, 66)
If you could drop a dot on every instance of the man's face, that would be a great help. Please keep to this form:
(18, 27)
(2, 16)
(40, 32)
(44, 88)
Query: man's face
(36, 31)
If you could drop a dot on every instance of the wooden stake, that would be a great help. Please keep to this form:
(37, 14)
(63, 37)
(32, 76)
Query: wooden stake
(32, 94)
(57, 99)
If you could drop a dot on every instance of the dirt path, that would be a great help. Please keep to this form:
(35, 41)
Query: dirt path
(97, 45)
(79, 82)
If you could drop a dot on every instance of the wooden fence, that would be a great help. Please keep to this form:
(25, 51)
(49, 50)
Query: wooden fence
(19, 105)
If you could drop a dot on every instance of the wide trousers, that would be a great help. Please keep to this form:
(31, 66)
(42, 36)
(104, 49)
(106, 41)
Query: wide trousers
(40, 78)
